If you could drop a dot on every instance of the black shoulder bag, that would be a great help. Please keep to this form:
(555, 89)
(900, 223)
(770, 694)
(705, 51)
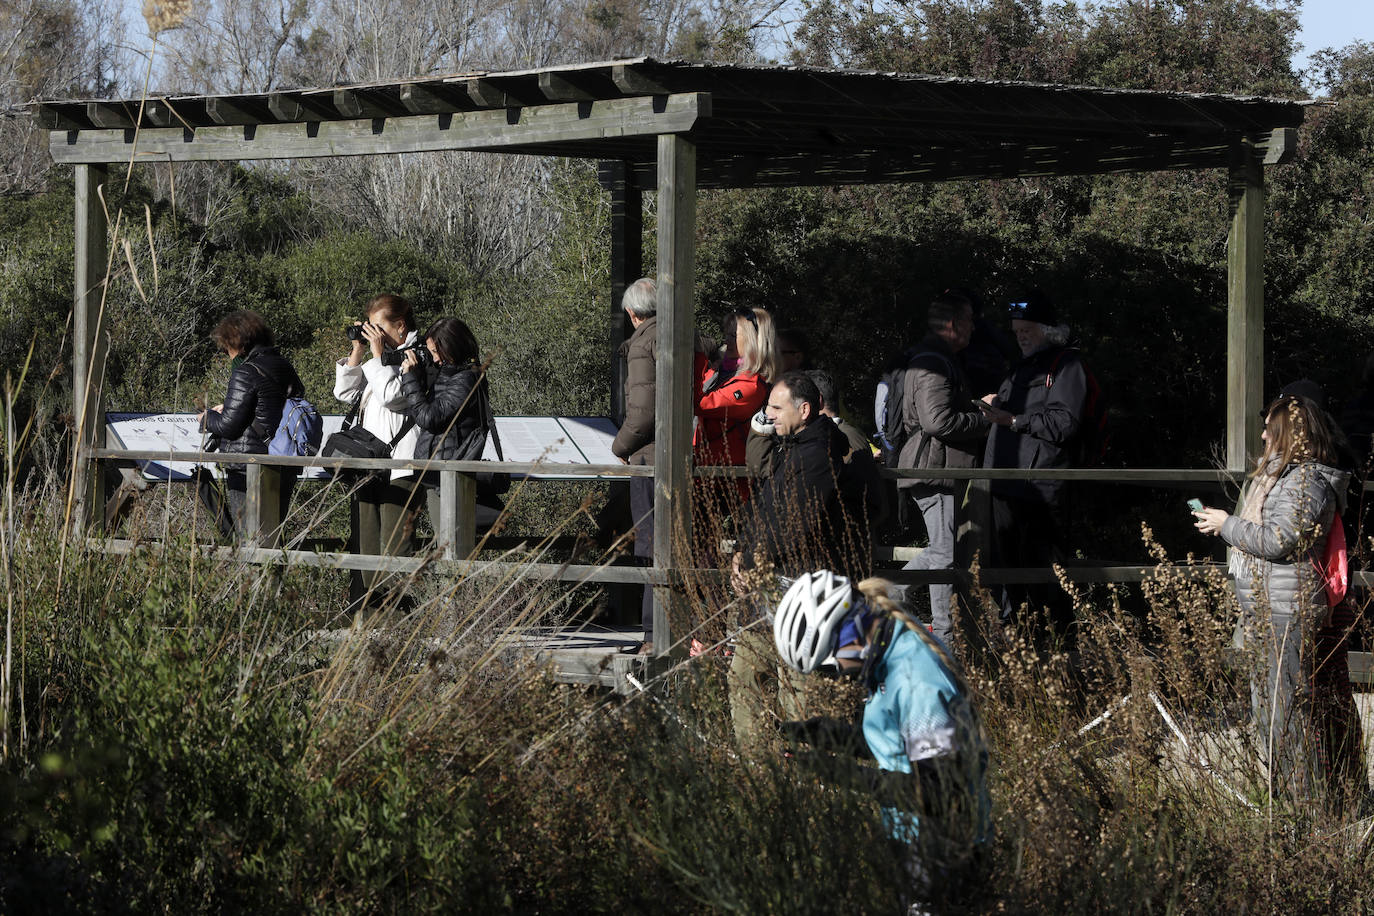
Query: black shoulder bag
(491, 484)
(355, 442)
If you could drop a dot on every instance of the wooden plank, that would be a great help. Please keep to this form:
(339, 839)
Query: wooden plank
(1245, 308)
(1166, 476)
(89, 342)
(677, 214)
(476, 130)
(562, 572)
(379, 464)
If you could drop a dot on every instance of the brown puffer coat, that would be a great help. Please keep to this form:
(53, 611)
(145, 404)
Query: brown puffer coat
(945, 429)
(635, 440)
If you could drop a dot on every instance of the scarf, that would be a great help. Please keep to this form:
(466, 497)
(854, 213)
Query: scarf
(1252, 506)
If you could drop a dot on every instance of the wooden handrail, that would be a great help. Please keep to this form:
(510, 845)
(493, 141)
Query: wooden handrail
(563, 469)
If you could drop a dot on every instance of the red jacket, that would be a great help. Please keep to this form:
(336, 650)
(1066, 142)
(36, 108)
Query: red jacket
(724, 409)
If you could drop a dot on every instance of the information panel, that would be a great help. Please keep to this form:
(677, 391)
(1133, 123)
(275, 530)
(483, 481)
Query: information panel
(557, 440)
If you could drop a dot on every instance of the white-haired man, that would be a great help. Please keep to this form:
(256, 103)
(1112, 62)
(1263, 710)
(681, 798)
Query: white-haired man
(634, 443)
(1038, 416)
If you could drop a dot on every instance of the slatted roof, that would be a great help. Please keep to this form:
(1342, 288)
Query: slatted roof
(753, 125)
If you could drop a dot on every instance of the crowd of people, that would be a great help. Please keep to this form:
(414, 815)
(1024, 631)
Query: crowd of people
(420, 397)
(966, 395)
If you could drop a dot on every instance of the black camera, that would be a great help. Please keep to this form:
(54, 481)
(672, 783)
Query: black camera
(354, 332)
(396, 357)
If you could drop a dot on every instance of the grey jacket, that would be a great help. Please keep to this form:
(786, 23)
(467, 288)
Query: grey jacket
(635, 440)
(1277, 554)
(945, 429)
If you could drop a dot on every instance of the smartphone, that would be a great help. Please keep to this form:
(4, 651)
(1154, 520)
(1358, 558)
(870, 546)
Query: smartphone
(984, 406)
(1195, 505)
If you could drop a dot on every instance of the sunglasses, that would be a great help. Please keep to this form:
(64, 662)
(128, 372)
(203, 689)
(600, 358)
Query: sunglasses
(1018, 306)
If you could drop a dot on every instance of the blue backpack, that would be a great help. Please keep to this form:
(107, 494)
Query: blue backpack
(299, 431)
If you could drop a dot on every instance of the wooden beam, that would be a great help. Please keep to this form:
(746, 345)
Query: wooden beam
(89, 342)
(1245, 308)
(53, 118)
(476, 130)
(677, 215)
(627, 265)
(357, 103)
(632, 82)
(224, 110)
(299, 106)
(559, 88)
(1280, 146)
(502, 93)
(111, 115)
(432, 98)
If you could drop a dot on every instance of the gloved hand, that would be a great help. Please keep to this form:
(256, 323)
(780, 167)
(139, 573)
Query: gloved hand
(762, 423)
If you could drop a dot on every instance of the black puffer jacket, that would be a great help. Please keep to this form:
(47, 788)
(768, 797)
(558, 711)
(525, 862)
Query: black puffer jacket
(258, 389)
(434, 397)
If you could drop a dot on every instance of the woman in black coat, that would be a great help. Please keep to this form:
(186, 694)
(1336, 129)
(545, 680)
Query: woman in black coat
(260, 381)
(446, 396)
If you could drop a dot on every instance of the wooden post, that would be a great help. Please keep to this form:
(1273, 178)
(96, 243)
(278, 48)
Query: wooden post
(627, 262)
(456, 527)
(677, 214)
(89, 344)
(1245, 308)
(262, 510)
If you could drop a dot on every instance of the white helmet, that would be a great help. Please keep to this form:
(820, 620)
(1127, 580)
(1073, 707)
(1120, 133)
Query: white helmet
(808, 619)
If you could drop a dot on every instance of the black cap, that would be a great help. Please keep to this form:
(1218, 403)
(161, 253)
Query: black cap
(1305, 388)
(1034, 307)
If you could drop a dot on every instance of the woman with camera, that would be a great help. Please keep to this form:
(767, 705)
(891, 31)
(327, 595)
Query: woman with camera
(260, 381)
(369, 379)
(446, 395)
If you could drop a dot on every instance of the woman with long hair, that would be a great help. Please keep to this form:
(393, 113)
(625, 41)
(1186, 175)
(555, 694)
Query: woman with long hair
(734, 385)
(446, 396)
(1292, 498)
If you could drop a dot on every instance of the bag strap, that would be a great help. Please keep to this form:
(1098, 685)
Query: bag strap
(489, 419)
(353, 412)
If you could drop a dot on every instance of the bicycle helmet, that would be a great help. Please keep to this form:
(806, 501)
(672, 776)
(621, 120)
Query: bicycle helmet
(809, 617)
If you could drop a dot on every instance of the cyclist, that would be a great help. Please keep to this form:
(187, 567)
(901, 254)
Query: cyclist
(918, 721)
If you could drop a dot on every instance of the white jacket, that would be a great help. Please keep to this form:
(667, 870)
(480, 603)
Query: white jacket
(383, 402)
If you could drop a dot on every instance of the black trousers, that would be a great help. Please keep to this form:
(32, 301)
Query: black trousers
(1030, 535)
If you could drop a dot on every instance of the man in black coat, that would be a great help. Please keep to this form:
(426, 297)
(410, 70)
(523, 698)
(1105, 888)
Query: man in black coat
(796, 515)
(797, 525)
(1037, 415)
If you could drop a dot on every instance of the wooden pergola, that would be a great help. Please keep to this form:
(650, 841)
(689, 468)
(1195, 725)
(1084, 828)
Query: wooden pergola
(671, 128)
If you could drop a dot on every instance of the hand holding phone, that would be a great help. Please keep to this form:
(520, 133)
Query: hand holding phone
(1195, 506)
